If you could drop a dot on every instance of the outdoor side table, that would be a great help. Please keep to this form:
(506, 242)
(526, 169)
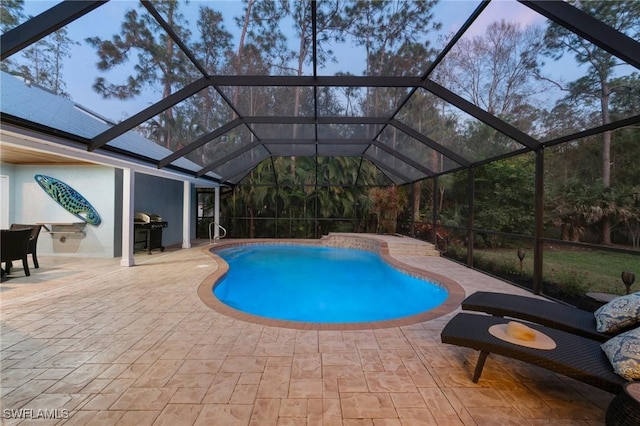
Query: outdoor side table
(624, 410)
(593, 300)
(602, 297)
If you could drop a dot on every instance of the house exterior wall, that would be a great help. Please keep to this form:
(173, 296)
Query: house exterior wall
(31, 204)
(162, 197)
(102, 187)
(6, 195)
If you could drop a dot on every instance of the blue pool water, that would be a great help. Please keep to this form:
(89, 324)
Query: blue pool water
(321, 284)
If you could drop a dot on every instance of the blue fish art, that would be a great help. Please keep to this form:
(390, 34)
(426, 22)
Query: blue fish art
(69, 198)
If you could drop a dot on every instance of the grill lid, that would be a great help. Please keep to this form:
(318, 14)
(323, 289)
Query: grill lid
(146, 217)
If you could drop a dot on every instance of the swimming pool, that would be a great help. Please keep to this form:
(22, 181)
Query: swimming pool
(321, 285)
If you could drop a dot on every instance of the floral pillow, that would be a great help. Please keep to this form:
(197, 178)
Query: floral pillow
(620, 313)
(623, 352)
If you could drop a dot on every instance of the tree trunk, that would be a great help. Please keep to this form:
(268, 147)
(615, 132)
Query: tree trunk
(605, 229)
(252, 226)
(243, 34)
(417, 192)
(302, 53)
(167, 86)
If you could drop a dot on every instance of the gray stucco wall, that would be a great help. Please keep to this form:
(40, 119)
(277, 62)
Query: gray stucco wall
(165, 198)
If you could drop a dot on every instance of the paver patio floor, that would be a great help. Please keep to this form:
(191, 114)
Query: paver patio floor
(87, 341)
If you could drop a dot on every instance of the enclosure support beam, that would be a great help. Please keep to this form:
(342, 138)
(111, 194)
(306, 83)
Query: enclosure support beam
(480, 114)
(470, 235)
(44, 24)
(386, 170)
(144, 115)
(590, 28)
(199, 142)
(128, 232)
(412, 229)
(177, 39)
(216, 213)
(430, 143)
(315, 199)
(186, 215)
(434, 217)
(539, 228)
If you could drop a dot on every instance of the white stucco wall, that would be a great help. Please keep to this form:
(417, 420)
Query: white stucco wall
(6, 194)
(30, 204)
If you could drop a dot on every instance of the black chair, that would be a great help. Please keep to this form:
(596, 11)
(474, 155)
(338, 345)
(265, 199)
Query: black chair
(14, 245)
(33, 241)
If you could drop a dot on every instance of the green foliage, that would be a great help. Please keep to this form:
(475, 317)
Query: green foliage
(505, 195)
(493, 71)
(574, 271)
(386, 205)
(456, 251)
(596, 91)
(158, 58)
(11, 14)
(572, 283)
(40, 63)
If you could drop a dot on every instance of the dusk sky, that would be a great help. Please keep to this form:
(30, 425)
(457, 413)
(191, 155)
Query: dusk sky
(80, 73)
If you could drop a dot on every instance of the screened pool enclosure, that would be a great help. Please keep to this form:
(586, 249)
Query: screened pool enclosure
(492, 124)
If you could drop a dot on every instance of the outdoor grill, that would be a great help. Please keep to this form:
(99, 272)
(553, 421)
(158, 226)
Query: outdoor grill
(148, 230)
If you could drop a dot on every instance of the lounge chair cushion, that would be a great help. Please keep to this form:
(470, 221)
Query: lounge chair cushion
(624, 353)
(622, 312)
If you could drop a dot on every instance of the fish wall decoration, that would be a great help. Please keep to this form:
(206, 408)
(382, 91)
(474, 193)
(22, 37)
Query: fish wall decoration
(69, 198)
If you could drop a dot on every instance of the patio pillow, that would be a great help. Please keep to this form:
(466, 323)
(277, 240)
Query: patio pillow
(623, 352)
(620, 313)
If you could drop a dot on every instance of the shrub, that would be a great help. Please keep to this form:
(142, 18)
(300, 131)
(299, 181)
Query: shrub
(571, 283)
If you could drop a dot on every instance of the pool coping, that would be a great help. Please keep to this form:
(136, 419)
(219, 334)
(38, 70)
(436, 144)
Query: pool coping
(455, 297)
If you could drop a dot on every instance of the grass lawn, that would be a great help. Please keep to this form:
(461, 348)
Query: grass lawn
(578, 271)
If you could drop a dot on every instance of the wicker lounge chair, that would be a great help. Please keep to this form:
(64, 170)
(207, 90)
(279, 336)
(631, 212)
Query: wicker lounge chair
(550, 314)
(14, 245)
(574, 356)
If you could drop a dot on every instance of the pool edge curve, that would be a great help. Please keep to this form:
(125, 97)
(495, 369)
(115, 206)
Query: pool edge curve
(205, 291)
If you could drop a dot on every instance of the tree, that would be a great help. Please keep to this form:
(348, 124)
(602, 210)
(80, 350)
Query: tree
(387, 203)
(213, 48)
(625, 149)
(393, 37)
(11, 14)
(41, 63)
(261, 35)
(389, 32)
(327, 30)
(504, 195)
(493, 71)
(629, 214)
(301, 13)
(158, 59)
(383, 26)
(597, 86)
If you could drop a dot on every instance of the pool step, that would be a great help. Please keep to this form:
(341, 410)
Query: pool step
(398, 245)
(412, 249)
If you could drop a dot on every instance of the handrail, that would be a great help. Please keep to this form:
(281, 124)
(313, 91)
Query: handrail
(211, 238)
